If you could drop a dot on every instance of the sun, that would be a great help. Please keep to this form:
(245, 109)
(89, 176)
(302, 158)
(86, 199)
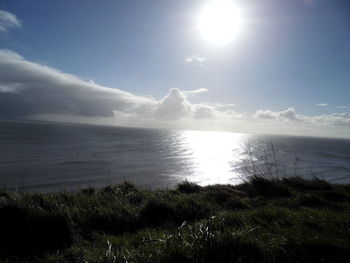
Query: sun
(219, 22)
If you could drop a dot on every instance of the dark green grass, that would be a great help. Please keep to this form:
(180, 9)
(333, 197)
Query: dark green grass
(263, 220)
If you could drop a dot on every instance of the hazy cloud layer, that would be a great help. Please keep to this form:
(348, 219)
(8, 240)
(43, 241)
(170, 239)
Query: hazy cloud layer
(196, 91)
(290, 115)
(287, 115)
(28, 89)
(8, 21)
(333, 119)
(196, 60)
(31, 90)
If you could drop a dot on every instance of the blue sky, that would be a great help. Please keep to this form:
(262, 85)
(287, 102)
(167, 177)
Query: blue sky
(292, 54)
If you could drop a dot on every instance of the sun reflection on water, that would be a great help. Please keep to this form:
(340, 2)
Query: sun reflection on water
(214, 156)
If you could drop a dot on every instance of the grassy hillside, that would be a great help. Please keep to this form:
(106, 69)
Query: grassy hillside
(263, 220)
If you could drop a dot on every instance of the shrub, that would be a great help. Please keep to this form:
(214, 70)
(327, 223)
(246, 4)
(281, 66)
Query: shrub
(157, 212)
(225, 196)
(321, 251)
(189, 209)
(188, 187)
(235, 204)
(313, 201)
(269, 187)
(333, 196)
(305, 184)
(110, 221)
(88, 191)
(127, 187)
(27, 231)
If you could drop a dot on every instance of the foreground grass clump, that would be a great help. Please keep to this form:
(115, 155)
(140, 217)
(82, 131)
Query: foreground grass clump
(262, 220)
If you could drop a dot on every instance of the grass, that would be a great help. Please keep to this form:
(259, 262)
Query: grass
(262, 220)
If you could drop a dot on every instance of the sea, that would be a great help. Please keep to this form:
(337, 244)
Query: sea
(47, 157)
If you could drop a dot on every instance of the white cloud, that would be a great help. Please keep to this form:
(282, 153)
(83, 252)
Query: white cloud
(287, 115)
(196, 91)
(196, 60)
(218, 105)
(322, 104)
(342, 107)
(290, 115)
(235, 115)
(29, 89)
(342, 119)
(201, 111)
(173, 106)
(8, 21)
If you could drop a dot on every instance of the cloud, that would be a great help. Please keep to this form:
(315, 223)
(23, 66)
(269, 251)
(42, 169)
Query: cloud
(322, 104)
(203, 111)
(196, 91)
(173, 106)
(342, 107)
(291, 116)
(235, 115)
(287, 115)
(196, 60)
(8, 21)
(30, 90)
(220, 105)
(342, 119)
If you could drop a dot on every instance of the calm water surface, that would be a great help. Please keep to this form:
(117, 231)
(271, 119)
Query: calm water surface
(38, 156)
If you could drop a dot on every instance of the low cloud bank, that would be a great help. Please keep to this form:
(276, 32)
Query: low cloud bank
(28, 89)
(290, 115)
(31, 90)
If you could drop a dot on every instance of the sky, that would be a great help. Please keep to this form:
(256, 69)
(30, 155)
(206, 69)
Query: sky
(272, 66)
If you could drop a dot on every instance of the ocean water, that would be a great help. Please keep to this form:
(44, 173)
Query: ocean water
(44, 157)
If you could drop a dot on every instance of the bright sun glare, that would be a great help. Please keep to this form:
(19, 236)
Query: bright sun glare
(214, 156)
(219, 21)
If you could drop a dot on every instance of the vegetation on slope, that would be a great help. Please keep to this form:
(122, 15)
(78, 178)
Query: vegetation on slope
(263, 220)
